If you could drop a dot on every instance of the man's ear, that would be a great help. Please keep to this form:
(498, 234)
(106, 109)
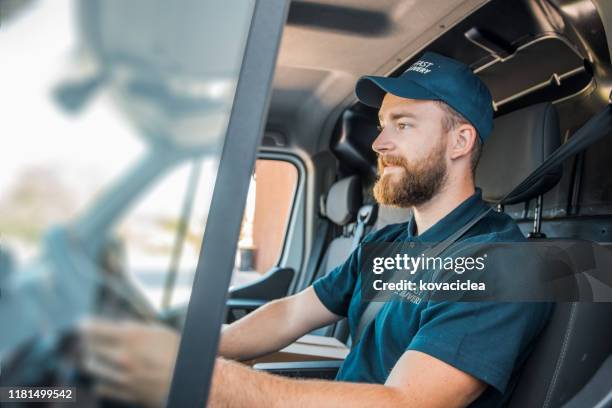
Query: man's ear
(462, 141)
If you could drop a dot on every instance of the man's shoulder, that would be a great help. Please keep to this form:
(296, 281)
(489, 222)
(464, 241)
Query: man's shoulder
(496, 227)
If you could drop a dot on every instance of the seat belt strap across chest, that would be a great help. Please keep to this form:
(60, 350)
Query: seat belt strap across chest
(374, 306)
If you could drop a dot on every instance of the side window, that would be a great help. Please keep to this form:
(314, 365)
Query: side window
(265, 220)
(162, 233)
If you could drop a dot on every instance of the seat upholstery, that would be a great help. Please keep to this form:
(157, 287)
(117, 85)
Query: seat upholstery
(578, 337)
(520, 142)
(343, 200)
(575, 343)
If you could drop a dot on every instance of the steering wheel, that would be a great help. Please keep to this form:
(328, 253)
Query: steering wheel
(53, 359)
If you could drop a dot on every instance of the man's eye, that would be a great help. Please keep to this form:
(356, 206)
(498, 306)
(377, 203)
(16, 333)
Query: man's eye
(402, 126)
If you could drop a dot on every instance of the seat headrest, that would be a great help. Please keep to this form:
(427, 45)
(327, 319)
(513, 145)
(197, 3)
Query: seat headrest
(520, 142)
(343, 200)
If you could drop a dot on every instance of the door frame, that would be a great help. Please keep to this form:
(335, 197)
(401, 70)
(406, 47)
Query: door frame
(200, 336)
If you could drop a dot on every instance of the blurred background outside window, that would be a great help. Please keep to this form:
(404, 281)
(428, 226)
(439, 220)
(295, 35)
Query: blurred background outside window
(114, 115)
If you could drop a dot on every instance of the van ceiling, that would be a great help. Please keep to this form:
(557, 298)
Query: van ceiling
(328, 44)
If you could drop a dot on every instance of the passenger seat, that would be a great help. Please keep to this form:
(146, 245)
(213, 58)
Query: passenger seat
(343, 207)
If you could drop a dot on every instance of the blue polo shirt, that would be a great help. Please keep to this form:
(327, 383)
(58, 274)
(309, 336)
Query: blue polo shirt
(488, 340)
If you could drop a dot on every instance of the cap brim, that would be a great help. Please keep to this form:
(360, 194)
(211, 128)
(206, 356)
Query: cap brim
(371, 90)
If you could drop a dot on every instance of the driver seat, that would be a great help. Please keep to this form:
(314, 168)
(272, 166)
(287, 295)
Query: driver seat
(578, 337)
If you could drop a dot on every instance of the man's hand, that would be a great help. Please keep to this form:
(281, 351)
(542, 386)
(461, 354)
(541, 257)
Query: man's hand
(134, 361)
(130, 361)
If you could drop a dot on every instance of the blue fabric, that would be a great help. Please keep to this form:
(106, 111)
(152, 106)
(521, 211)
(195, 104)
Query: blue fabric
(489, 340)
(435, 77)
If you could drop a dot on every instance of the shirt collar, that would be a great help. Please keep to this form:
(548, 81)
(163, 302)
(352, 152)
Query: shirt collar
(451, 222)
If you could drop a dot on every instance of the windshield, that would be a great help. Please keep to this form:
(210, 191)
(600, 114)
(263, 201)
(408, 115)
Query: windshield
(114, 121)
(54, 162)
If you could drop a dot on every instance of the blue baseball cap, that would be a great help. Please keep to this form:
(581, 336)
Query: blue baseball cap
(435, 77)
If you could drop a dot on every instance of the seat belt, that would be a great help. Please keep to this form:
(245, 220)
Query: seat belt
(374, 306)
(595, 129)
(365, 216)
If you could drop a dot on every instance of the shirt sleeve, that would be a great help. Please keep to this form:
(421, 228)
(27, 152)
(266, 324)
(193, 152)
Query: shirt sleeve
(335, 289)
(484, 339)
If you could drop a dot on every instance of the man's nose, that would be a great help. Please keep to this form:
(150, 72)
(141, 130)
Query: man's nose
(382, 144)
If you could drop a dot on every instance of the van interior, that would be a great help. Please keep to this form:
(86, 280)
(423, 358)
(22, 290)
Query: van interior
(548, 66)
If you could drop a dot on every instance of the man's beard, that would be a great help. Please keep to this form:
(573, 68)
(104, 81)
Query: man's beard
(416, 184)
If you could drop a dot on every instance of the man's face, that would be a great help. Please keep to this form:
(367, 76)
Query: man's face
(411, 148)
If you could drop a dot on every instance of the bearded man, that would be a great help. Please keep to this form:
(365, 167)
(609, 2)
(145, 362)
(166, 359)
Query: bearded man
(433, 121)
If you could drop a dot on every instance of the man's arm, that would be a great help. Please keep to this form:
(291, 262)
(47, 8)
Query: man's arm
(274, 326)
(417, 380)
(134, 361)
